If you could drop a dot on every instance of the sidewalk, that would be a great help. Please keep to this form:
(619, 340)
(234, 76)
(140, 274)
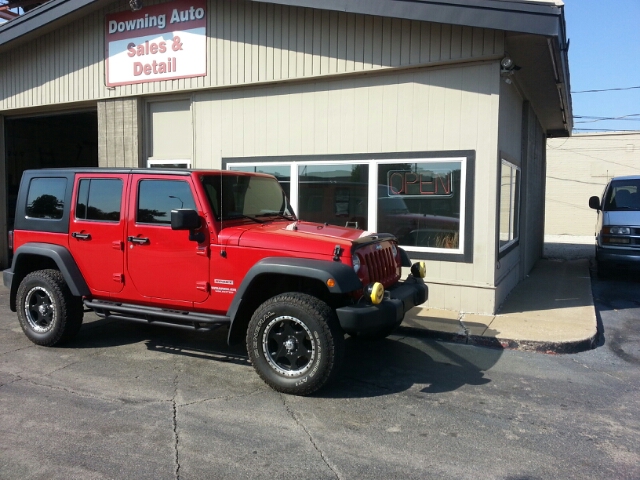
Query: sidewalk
(550, 311)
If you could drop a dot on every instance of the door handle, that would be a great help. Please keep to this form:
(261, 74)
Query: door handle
(81, 236)
(138, 240)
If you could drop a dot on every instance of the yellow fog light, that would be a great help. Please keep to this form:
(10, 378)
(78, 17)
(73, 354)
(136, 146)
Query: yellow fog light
(419, 269)
(376, 292)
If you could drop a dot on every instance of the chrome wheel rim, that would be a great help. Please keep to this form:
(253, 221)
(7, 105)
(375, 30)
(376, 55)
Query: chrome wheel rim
(40, 310)
(288, 346)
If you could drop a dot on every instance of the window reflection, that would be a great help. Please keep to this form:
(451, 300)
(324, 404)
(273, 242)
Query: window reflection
(420, 203)
(335, 194)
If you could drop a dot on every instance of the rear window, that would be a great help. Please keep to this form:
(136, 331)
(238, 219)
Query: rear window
(45, 199)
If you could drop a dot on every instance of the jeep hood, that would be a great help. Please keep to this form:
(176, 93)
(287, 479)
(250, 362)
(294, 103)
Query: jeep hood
(302, 237)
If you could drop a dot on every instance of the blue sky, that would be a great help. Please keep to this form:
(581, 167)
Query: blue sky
(604, 53)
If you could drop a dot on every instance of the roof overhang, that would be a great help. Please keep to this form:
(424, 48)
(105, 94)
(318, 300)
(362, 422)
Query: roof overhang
(536, 37)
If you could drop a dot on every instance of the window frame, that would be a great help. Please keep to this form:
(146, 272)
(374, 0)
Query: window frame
(463, 254)
(77, 199)
(160, 163)
(514, 206)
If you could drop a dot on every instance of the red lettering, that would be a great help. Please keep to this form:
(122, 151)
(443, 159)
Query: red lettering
(430, 191)
(163, 47)
(396, 183)
(409, 180)
(132, 50)
(446, 187)
(147, 69)
(137, 69)
(153, 48)
(140, 51)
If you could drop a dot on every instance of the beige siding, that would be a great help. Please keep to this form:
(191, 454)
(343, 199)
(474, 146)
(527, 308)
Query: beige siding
(119, 133)
(534, 169)
(578, 168)
(507, 268)
(4, 257)
(429, 109)
(249, 42)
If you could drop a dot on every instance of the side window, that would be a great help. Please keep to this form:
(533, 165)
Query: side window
(45, 198)
(156, 199)
(99, 199)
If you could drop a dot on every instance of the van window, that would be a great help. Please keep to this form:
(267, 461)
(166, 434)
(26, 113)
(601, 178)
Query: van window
(622, 195)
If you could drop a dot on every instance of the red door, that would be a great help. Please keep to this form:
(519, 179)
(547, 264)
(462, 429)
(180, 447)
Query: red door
(163, 263)
(97, 230)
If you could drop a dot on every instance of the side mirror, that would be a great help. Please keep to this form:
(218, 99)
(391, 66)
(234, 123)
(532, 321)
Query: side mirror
(184, 219)
(594, 202)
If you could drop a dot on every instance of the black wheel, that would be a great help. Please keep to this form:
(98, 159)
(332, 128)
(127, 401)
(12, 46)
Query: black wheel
(48, 313)
(295, 343)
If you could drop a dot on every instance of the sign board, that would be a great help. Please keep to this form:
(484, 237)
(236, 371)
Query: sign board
(422, 184)
(160, 42)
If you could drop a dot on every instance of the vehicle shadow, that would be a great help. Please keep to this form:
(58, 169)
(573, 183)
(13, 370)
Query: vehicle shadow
(369, 369)
(393, 365)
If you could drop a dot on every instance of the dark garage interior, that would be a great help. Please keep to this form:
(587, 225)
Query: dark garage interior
(51, 141)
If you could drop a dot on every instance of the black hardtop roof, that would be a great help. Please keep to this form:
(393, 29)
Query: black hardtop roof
(67, 171)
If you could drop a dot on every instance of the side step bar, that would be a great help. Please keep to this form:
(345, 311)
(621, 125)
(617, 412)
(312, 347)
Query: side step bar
(157, 316)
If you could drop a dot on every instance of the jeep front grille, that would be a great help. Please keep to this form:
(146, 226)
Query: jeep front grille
(381, 266)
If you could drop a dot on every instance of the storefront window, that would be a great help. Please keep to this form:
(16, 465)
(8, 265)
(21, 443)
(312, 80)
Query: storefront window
(509, 192)
(420, 203)
(281, 172)
(336, 194)
(422, 200)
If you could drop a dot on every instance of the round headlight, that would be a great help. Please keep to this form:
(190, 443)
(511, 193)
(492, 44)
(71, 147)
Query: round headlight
(356, 262)
(419, 270)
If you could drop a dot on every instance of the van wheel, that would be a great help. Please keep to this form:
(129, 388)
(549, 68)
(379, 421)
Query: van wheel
(48, 313)
(295, 343)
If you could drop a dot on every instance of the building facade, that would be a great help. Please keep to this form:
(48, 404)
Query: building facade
(424, 119)
(580, 167)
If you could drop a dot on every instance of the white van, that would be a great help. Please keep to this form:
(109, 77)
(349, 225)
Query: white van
(618, 227)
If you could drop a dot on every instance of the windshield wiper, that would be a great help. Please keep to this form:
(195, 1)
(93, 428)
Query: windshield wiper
(276, 214)
(241, 215)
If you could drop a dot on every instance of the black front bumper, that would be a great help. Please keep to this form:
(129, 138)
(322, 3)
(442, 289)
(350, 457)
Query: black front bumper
(368, 318)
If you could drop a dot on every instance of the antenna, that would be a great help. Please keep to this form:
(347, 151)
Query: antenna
(223, 252)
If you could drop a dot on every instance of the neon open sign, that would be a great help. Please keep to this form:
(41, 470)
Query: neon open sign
(420, 184)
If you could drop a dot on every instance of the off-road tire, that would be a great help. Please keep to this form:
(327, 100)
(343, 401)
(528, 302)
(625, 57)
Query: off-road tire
(295, 343)
(48, 313)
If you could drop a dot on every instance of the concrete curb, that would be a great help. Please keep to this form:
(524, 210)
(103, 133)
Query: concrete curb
(566, 347)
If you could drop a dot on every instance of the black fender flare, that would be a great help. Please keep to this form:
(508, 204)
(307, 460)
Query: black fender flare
(345, 277)
(62, 258)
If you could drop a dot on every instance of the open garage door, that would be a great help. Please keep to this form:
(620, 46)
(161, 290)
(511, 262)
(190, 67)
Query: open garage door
(47, 141)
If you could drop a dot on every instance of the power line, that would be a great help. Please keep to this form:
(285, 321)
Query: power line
(606, 90)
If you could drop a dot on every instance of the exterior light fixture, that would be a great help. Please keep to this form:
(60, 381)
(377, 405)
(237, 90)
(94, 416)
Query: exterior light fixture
(508, 68)
(135, 5)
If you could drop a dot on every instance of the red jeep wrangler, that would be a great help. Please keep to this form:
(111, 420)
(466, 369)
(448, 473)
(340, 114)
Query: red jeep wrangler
(198, 250)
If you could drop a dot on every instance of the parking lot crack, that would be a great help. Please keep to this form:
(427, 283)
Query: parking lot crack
(174, 410)
(222, 397)
(311, 439)
(16, 350)
(67, 390)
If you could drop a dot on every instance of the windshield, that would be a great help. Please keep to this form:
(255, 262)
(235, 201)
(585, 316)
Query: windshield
(622, 195)
(246, 196)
